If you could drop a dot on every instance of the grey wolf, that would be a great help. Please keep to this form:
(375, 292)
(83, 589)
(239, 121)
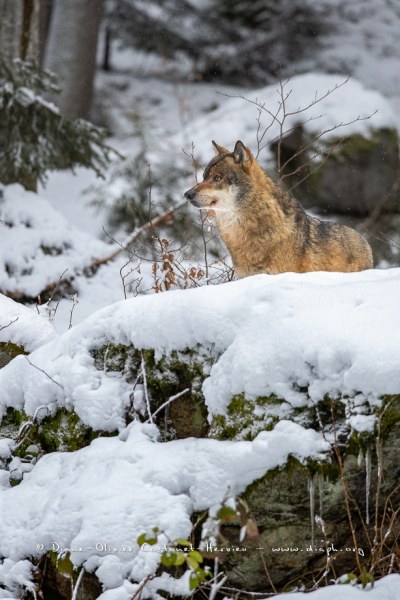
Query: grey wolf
(265, 229)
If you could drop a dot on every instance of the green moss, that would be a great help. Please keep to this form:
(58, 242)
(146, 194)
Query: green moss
(165, 377)
(389, 415)
(113, 358)
(357, 144)
(292, 465)
(8, 351)
(12, 349)
(173, 373)
(11, 423)
(63, 563)
(13, 417)
(244, 418)
(62, 432)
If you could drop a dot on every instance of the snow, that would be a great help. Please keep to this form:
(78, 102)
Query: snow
(331, 333)
(349, 108)
(269, 335)
(37, 245)
(23, 326)
(14, 574)
(386, 589)
(66, 193)
(149, 484)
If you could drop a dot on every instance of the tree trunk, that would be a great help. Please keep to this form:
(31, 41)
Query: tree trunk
(19, 30)
(71, 52)
(10, 29)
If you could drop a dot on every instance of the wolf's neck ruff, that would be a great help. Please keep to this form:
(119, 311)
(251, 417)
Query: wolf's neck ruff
(265, 229)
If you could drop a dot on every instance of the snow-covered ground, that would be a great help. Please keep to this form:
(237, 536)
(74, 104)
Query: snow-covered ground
(22, 326)
(118, 488)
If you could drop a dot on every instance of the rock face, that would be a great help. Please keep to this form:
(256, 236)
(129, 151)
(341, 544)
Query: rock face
(358, 174)
(290, 550)
(8, 351)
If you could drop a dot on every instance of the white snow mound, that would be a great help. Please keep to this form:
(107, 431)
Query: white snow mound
(95, 502)
(38, 245)
(23, 326)
(349, 109)
(332, 333)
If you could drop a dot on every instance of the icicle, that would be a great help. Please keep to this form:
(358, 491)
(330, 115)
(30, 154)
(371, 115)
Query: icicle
(360, 458)
(367, 482)
(321, 493)
(311, 490)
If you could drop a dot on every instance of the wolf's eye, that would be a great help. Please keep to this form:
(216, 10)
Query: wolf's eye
(217, 178)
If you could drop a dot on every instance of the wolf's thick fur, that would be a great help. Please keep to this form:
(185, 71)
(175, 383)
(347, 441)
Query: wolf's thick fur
(265, 229)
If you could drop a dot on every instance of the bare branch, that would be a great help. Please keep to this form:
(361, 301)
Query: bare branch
(77, 584)
(169, 401)
(10, 323)
(74, 303)
(124, 246)
(44, 372)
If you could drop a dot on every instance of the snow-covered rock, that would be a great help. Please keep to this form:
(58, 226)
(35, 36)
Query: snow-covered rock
(297, 337)
(23, 326)
(38, 246)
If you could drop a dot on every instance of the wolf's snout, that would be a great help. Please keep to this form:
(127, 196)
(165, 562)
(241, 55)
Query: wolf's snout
(190, 194)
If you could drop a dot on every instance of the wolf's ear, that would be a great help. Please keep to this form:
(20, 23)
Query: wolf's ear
(220, 149)
(242, 154)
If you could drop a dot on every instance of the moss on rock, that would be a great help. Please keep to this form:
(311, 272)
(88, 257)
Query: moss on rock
(8, 351)
(352, 174)
(63, 432)
(244, 418)
(166, 376)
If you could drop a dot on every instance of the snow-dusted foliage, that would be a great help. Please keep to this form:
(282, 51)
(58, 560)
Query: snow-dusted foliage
(34, 136)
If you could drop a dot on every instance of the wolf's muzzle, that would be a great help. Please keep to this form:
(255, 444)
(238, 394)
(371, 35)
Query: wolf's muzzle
(194, 200)
(190, 194)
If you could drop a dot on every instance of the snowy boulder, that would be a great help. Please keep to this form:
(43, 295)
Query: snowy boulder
(100, 499)
(351, 176)
(293, 368)
(259, 349)
(22, 330)
(39, 249)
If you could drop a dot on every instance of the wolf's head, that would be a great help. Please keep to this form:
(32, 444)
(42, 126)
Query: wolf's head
(226, 180)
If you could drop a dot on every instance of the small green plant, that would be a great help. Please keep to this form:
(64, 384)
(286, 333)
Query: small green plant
(179, 553)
